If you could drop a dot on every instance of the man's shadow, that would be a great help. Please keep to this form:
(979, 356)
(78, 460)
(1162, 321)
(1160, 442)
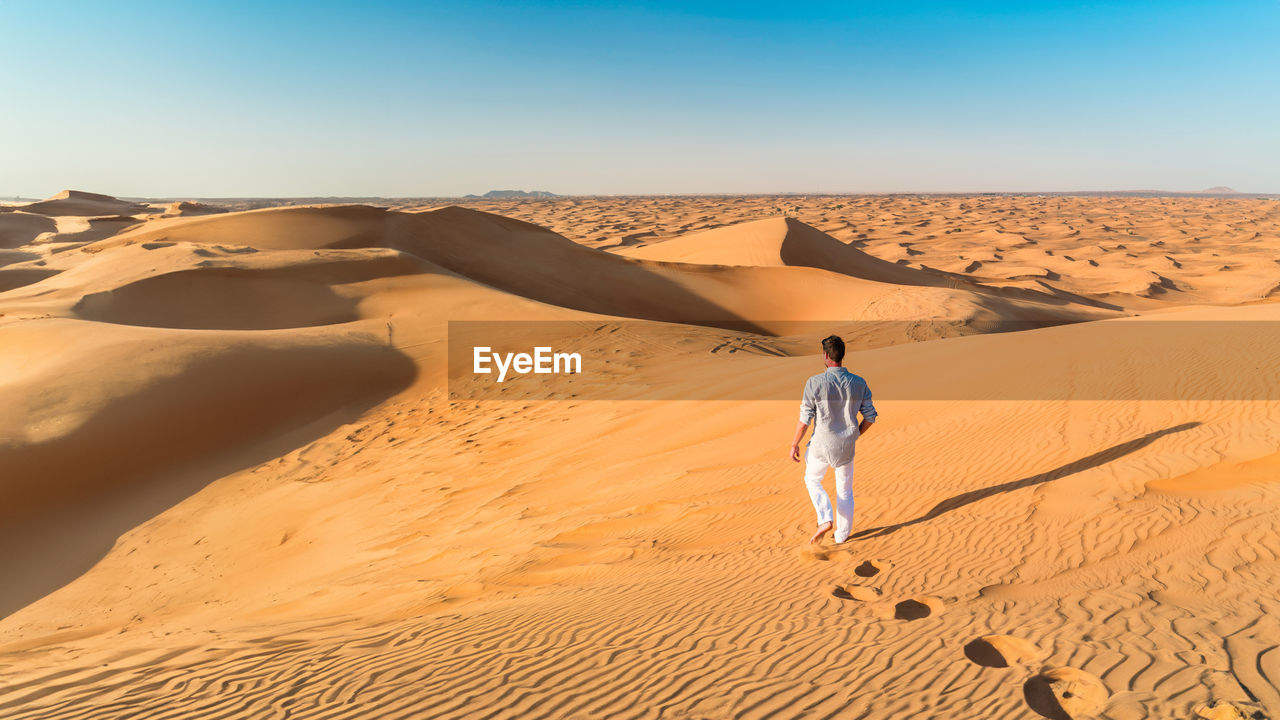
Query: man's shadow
(1102, 457)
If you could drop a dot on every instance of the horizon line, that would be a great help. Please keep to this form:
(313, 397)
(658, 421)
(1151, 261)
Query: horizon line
(710, 194)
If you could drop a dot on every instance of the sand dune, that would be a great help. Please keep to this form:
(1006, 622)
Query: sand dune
(187, 208)
(227, 450)
(285, 290)
(531, 262)
(782, 241)
(785, 241)
(80, 203)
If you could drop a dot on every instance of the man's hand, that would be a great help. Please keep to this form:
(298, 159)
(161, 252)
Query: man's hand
(795, 441)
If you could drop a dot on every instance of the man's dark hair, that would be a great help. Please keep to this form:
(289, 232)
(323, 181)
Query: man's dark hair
(833, 346)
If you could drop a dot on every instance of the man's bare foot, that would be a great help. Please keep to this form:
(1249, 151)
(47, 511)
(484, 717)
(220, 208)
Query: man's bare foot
(823, 529)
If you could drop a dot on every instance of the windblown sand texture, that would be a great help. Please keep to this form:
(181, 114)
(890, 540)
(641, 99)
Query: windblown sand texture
(232, 485)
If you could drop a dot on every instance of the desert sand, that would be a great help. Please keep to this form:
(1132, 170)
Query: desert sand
(233, 483)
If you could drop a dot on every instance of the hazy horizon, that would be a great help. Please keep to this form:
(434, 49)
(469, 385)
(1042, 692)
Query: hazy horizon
(765, 193)
(400, 99)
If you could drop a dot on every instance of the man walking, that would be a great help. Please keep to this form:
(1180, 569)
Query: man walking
(831, 402)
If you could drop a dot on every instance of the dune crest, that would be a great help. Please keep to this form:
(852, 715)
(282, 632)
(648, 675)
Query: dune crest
(781, 241)
(81, 203)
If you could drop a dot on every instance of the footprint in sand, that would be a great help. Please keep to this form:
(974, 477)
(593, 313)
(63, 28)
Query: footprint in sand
(914, 608)
(1065, 693)
(870, 568)
(918, 607)
(856, 592)
(1000, 651)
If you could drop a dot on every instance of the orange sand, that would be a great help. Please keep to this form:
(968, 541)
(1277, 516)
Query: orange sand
(231, 484)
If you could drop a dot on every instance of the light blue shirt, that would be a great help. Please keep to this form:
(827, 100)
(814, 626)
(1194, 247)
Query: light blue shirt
(831, 403)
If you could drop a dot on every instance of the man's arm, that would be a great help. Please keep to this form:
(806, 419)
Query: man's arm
(795, 443)
(868, 411)
(808, 405)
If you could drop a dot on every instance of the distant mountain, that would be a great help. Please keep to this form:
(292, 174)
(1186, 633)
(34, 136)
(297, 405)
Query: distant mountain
(1220, 190)
(508, 194)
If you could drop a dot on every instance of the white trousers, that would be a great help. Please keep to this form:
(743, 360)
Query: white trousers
(814, 472)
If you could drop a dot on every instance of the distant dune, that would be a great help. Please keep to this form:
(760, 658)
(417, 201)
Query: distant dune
(777, 242)
(80, 203)
(185, 208)
(509, 194)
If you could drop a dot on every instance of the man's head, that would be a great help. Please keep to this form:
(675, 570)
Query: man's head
(833, 350)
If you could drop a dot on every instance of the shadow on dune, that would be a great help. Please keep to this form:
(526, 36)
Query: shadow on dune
(65, 503)
(807, 245)
(18, 229)
(1101, 457)
(530, 261)
(14, 278)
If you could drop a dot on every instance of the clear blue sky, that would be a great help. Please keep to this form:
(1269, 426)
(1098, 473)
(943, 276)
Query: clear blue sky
(412, 99)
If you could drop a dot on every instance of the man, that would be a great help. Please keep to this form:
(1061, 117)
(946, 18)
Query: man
(831, 402)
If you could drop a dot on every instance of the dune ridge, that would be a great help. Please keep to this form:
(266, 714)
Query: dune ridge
(81, 203)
